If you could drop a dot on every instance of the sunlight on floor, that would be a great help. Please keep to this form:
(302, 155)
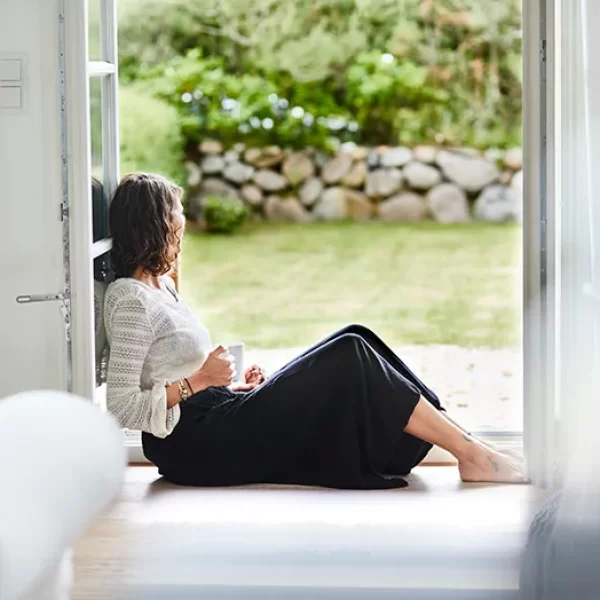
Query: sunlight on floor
(260, 537)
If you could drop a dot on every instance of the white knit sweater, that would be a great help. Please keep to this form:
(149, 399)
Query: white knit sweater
(154, 339)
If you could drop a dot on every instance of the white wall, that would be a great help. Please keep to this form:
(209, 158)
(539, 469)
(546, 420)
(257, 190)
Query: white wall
(32, 349)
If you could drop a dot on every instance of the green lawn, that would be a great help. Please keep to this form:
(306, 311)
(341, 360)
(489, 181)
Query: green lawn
(275, 286)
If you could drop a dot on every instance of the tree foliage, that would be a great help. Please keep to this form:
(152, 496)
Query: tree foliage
(150, 139)
(374, 71)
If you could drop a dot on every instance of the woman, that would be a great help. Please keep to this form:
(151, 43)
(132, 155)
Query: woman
(348, 413)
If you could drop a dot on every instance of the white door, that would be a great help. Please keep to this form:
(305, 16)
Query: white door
(61, 132)
(33, 349)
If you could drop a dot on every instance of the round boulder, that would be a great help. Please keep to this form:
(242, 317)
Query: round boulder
(252, 194)
(373, 160)
(383, 182)
(231, 156)
(471, 173)
(425, 154)
(339, 203)
(357, 175)
(298, 167)
(211, 147)
(310, 191)
(497, 204)
(271, 181)
(264, 158)
(420, 176)
(448, 204)
(396, 157)
(285, 210)
(212, 164)
(513, 159)
(404, 207)
(337, 168)
(360, 153)
(238, 173)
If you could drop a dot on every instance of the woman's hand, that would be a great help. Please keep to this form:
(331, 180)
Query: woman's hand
(244, 387)
(255, 375)
(217, 371)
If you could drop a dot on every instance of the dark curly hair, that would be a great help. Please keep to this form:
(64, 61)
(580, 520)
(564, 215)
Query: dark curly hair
(142, 225)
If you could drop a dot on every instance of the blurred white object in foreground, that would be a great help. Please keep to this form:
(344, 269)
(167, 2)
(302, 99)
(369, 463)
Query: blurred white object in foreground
(61, 464)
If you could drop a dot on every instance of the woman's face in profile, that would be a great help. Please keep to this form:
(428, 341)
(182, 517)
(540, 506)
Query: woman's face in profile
(179, 226)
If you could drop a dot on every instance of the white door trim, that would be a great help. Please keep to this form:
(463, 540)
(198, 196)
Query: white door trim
(82, 250)
(541, 236)
(77, 123)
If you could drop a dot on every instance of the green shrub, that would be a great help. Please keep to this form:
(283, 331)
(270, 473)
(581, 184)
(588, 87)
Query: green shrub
(150, 135)
(224, 214)
(248, 107)
(370, 71)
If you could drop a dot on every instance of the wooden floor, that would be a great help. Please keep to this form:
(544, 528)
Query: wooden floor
(436, 536)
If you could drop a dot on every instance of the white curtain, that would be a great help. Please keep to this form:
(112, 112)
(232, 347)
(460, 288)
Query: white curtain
(579, 295)
(561, 559)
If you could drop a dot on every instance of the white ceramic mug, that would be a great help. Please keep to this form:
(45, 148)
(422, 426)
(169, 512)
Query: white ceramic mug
(236, 350)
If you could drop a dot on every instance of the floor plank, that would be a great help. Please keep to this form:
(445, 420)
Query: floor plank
(167, 542)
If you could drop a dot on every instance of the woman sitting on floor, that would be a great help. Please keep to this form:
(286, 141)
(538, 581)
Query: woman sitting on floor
(348, 413)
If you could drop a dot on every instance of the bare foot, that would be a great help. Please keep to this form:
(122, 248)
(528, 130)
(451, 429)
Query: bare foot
(484, 464)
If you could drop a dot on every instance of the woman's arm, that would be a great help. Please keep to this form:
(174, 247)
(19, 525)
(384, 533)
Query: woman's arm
(132, 336)
(195, 383)
(218, 370)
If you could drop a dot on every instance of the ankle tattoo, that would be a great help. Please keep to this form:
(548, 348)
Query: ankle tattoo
(494, 463)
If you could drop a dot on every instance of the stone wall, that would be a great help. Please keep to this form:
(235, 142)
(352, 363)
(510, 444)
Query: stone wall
(384, 183)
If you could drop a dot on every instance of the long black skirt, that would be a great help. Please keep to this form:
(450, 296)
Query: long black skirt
(332, 417)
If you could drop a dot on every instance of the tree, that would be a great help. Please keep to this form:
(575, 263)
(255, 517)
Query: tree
(402, 70)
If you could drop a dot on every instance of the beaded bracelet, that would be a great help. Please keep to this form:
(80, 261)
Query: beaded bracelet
(183, 392)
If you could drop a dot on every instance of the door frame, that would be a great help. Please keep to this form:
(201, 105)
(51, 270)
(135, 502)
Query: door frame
(76, 123)
(541, 229)
(83, 250)
(541, 237)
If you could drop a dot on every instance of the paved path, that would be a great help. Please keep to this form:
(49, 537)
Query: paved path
(481, 388)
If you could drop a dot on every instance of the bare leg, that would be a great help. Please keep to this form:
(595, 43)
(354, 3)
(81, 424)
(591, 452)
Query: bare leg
(512, 452)
(476, 461)
(465, 431)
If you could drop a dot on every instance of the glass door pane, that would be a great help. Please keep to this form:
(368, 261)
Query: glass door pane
(99, 193)
(95, 30)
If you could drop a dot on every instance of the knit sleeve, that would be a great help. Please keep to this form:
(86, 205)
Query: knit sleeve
(132, 335)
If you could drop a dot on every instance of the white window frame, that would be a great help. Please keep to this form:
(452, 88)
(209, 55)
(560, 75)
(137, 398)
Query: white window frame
(541, 237)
